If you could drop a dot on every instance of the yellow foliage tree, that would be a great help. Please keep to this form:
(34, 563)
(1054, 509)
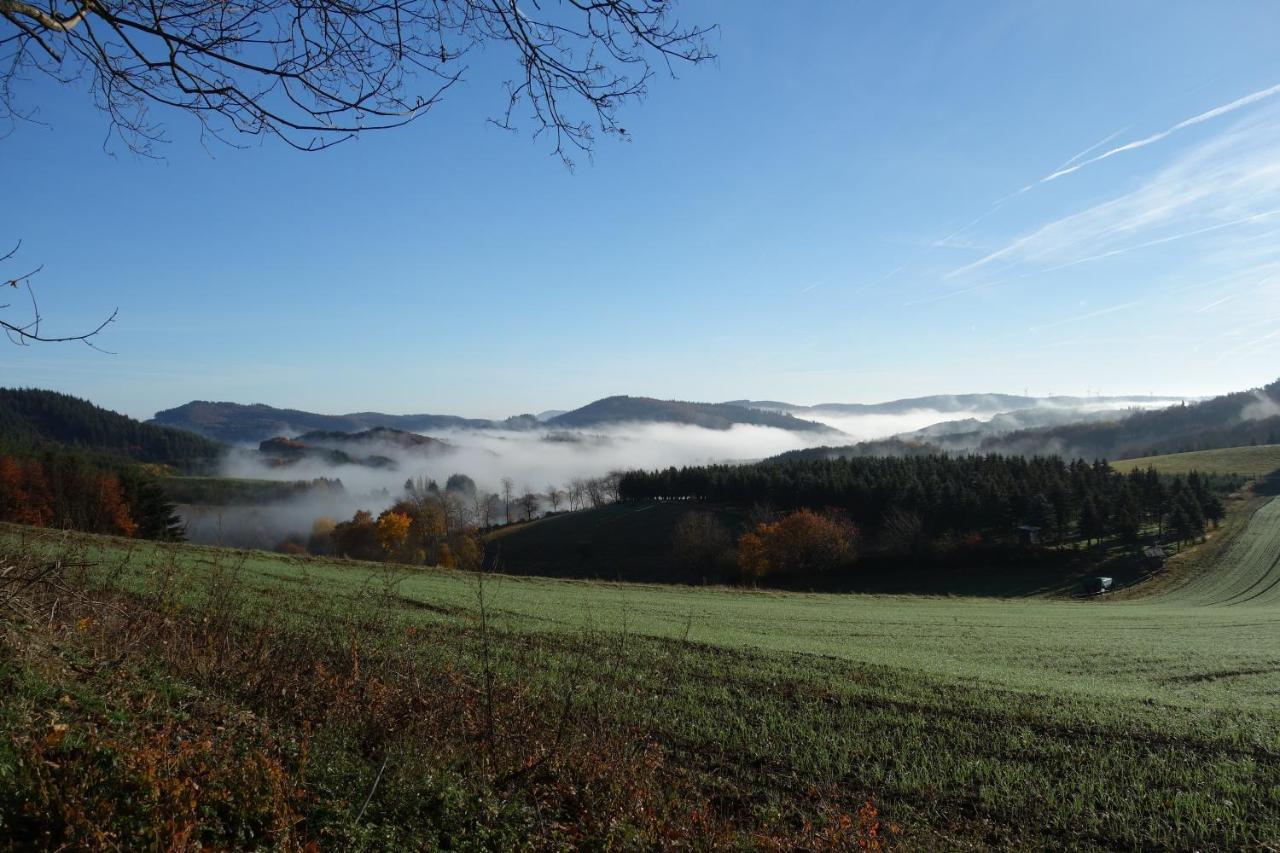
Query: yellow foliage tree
(393, 532)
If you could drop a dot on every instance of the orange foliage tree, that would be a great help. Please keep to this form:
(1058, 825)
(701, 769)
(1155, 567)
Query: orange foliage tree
(112, 510)
(802, 542)
(24, 492)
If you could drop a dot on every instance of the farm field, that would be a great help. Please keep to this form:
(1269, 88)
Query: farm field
(1019, 723)
(1254, 461)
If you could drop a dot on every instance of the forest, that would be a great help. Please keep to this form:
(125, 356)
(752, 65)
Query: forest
(34, 419)
(71, 491)
(904, 502)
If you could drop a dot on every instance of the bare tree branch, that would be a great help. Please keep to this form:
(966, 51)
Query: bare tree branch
(316, 72)
(29, 331)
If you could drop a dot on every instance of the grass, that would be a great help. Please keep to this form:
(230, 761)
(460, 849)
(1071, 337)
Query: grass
(1129, 723)
(1257, 461)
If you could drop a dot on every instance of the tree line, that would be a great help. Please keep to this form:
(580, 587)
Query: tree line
(69, 491)
(428, 524)
(907, 503)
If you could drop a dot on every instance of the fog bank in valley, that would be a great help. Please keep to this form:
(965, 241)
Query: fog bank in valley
(533, 460)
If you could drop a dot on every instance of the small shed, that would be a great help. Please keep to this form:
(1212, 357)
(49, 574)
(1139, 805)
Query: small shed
(1153, 556)
(1028, 534)
(1098, 585)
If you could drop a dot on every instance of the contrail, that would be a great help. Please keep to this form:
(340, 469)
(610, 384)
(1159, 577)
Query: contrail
(1266, 214)
(1093, 147)
(1156, 137)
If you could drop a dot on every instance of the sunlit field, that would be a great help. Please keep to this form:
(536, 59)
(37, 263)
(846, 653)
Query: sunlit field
(1148, 722)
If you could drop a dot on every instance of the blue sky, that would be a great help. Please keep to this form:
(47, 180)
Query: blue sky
(849, 205)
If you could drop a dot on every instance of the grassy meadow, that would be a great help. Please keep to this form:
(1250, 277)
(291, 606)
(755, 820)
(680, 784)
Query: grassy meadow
(1253, 461)
(678, 716)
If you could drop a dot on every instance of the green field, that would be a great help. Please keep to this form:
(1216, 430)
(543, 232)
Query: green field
(1143, 723)
(1256, 461)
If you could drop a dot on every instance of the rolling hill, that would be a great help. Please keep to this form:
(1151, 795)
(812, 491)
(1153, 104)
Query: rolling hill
(719, 416)
(970, 723)
(951, 403)
(236, 423)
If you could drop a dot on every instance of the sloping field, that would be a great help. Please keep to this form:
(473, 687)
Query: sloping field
(1255, 461)
(1248, 573)
(974, 723)
(1165, 647)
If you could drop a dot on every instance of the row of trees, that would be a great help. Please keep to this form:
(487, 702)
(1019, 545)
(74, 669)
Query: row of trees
(66, 491)
(909, 503)
(436, 525)
(577, 493)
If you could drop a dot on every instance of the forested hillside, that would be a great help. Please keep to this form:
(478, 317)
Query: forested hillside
(66, 463)
(33, 419)
(1232, 420)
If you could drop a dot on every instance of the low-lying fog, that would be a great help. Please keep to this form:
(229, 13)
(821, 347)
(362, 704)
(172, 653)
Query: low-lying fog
(533, 460)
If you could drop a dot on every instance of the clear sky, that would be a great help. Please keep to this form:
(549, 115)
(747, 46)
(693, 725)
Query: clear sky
(857, 202)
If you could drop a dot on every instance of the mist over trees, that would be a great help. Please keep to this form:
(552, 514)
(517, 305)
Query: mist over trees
(1230, 420)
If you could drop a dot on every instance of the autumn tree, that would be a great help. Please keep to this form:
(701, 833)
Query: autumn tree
(554, 497)
(393, 533)
(111, 510)
(799, 543)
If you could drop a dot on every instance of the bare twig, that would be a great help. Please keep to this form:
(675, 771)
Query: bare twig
(316, 72)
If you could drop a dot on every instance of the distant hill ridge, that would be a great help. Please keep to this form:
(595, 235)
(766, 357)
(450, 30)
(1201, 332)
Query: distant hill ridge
(1231, 420)
(719, 416)
(950, 403)
(237, 423)
(1238, 419)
